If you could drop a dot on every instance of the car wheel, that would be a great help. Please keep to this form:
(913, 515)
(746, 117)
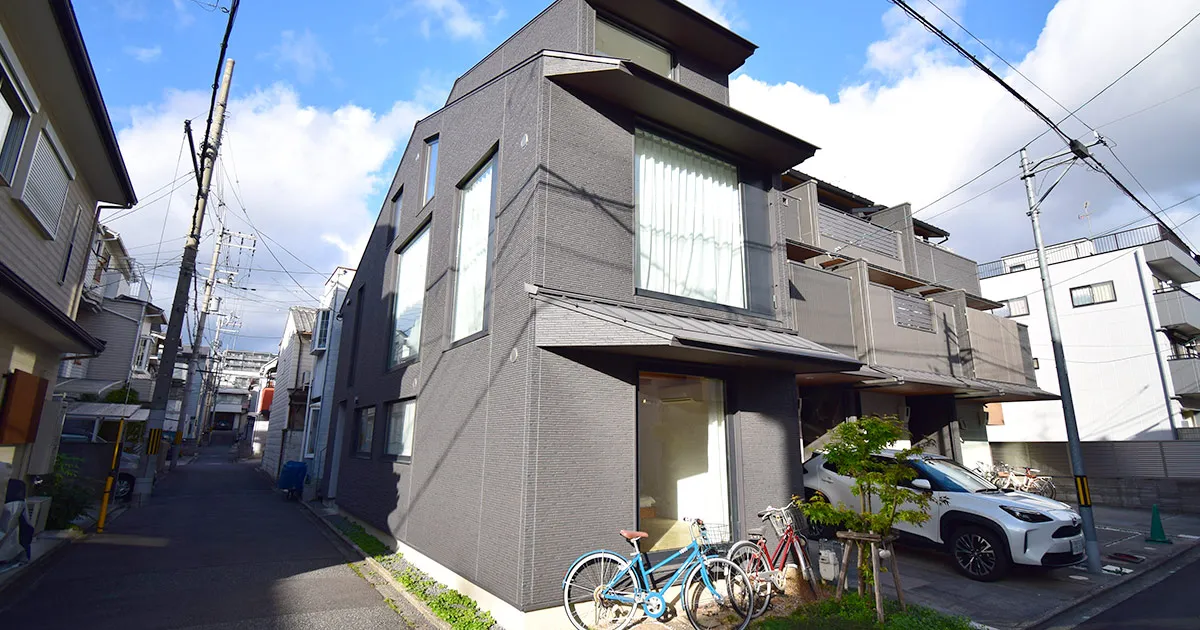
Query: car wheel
(124, 486)
(980, 554)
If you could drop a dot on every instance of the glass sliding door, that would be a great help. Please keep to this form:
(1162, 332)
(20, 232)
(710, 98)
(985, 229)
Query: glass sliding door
(683, 457)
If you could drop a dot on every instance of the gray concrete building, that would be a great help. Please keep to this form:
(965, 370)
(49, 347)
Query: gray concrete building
(598, 298)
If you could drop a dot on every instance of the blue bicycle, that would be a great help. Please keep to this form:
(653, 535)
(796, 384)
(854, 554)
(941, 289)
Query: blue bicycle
(602, 590)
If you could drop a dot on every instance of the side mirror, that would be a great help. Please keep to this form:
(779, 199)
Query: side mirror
(921, 484)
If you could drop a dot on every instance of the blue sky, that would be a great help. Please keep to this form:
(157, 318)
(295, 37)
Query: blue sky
(324, 98)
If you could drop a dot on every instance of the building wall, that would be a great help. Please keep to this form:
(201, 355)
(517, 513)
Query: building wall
(285, 375)
(822, 308)
(1104, 344)
(117, 323)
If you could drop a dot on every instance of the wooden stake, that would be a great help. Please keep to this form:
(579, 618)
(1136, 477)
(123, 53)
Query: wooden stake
(896, 577)
(844, 578)
(878, 587)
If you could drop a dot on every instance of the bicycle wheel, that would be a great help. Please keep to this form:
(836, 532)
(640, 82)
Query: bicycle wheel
(717, 594)
(1044, 487)
(750, 558)
(586, 598)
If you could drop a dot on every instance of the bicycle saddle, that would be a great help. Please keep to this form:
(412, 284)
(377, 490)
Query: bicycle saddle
(632, 535)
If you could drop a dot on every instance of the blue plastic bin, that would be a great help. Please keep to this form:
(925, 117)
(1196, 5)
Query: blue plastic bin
(291, 478)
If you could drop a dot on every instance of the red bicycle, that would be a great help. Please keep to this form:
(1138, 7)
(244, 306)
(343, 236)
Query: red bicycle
(766, 570)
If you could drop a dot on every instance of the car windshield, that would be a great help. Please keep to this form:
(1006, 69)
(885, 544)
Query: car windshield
(946, 475)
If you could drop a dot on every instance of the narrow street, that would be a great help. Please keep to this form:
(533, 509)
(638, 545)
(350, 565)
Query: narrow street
(215, 548)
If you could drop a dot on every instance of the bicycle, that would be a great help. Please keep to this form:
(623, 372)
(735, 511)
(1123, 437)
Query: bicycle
(605, 588)
(766, 570)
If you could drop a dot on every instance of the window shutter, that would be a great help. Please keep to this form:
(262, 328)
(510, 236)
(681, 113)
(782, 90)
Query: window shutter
(912, 311)
(45, 190)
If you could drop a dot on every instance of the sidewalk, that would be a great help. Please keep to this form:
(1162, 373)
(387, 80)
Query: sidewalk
(1029, 595)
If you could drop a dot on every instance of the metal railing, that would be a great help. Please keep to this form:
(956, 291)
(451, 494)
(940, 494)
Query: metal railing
(1079, 249)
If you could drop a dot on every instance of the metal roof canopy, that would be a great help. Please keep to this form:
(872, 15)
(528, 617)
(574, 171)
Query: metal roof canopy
(658, 98)
(591, 325)
(1005, 392)
(106, 411)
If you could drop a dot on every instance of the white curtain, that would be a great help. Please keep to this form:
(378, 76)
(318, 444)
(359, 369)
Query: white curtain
(689, 213)
(471, 283)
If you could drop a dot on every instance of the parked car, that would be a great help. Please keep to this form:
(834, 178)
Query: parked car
(126, 472)
(986, 529)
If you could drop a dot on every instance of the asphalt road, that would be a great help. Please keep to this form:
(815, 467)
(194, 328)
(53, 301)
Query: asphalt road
(214, 548)
(1168, 605)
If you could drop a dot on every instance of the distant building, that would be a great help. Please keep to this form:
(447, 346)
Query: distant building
(285, 433)
(239, 383)
(1129, 332)
(323, 461)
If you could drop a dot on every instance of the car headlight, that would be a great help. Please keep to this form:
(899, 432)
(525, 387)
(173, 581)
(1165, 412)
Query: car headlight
(1029, 516)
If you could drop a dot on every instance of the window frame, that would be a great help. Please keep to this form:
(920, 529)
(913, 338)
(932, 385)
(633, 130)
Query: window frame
(323, 325)
(358, 433)
(425, 229)
(308, 428)
(13, 73)
(740, 172)
(397, 202)
(641, 34)
(431, 154)
(1092, 293)
(490, 158)
(406, 420)
(1007, 308)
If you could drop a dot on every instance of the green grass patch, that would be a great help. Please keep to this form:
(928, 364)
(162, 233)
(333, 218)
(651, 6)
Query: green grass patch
(460, 611)
(856, 612)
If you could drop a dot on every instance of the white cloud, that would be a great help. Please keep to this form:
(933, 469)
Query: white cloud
(144, 55)
(934, 122)
(300, 52)
(183, 15)
(719, 11)
(452, 15)
(310, 178)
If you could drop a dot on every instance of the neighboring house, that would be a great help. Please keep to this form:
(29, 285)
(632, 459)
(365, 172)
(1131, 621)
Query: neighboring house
(116, 307)
(597, 299)
(260, 407)
(59, 161)
(285, 433)
(1128, 332)
(326, 341)
(239, 381)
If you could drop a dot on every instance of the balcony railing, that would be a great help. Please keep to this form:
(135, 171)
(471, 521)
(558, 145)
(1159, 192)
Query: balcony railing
(1079, 249)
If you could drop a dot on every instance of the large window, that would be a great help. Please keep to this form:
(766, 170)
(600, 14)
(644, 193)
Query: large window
(14, 120)
(614, 41)
(410, 297)
(683, 458)
(474, 239)
(401, 416)
(1093, 294)
(431, 166)
(364, 430)
(689, 213)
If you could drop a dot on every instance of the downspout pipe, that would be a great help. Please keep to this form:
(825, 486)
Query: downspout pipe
(1152, 320)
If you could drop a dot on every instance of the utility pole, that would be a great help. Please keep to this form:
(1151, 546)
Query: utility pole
(187, 269)
(1091, 544)
(197, 341)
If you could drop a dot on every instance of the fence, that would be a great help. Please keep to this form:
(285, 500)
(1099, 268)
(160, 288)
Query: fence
(1070, 251)
(1133, 474)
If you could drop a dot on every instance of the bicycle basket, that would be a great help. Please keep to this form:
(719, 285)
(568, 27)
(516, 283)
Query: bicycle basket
(711, 535)
(788, 516)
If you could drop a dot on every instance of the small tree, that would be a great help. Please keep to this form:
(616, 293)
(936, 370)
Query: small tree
(879, 483)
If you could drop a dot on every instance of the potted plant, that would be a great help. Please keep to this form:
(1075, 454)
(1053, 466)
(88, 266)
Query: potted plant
(884, 498)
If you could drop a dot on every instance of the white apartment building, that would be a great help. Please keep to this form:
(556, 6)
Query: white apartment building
(1128, 329)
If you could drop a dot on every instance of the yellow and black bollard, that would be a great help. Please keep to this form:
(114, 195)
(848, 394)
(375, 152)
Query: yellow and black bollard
(111, 479)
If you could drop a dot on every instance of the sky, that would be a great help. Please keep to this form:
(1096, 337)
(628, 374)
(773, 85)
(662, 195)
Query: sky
(323, 101)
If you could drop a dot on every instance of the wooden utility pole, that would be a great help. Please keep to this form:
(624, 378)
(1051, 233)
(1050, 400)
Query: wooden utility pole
(187, 270)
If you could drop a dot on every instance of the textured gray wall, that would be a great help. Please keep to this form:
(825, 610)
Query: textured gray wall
(996, 347)
(112, 324)
(822, 309)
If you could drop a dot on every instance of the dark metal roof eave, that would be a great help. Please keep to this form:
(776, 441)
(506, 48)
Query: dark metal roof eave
(722, 126)
(20, 290)
(68, 25)
(837, 362)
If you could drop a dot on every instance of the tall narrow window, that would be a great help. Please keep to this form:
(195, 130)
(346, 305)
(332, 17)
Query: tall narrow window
(312, 428)
(682, 458)
(431, 166)
(401, 416)
(689, 213)
(322, 330)
(364, 430)
(474, 238)
(397, 208)
(14, 121)
(409, 299)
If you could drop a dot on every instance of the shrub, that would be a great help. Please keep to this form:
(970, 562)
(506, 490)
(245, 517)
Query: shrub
(69, 497)
(857, 612)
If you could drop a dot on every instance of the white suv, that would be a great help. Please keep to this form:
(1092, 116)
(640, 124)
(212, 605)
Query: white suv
(985, 528)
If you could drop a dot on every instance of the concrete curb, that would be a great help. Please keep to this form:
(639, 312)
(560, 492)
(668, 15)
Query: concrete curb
(1148, 573)
(382, 571)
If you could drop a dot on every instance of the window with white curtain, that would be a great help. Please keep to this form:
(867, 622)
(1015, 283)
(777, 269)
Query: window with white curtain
(401, 416)
(690, 237)
(1093, 294)
(409, 301)
(474, 227)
